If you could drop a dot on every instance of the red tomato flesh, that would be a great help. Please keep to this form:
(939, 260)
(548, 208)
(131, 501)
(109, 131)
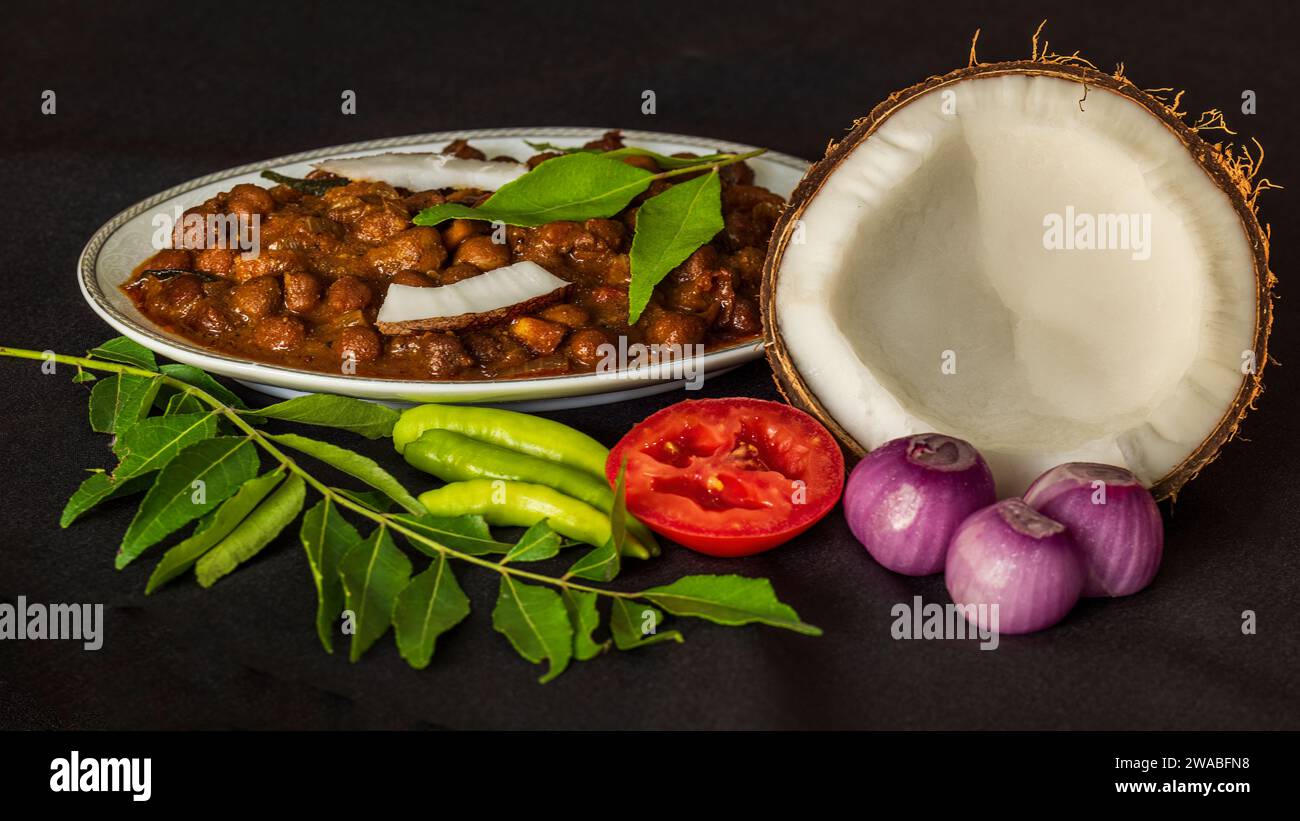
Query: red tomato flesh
(729, 477)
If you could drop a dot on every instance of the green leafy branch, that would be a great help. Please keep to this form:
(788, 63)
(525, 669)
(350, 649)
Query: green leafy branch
(198, 459)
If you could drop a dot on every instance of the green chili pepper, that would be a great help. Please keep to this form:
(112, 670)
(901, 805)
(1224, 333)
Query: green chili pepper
(521, 504)
(532, 435)
(456, 458)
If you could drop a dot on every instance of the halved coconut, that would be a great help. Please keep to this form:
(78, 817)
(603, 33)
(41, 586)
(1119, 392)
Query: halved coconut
(1039, 258)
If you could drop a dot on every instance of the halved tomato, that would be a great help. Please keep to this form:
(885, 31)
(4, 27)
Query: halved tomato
(729, 477)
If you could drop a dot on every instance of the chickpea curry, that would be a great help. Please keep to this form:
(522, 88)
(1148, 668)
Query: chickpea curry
(309, 299)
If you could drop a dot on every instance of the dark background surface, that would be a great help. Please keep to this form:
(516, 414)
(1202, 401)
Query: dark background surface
(151, 96)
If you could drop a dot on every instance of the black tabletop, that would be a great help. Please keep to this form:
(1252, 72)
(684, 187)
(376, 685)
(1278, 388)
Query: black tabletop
(155, 94)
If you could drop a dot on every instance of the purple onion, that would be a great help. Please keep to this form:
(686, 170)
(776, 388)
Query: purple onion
(1012, 556)
(905, 499)
(1112, 518)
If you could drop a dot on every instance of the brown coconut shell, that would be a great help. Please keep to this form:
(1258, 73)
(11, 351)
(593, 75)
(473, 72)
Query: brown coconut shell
(1234, 173)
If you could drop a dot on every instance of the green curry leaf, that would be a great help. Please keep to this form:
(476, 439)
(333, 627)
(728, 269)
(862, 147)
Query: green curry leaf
(635, 624)
(151, 443)
(254, 533)
(669, 227)
(353, 464)
(126, 351)
(586, 618)
(98, 487)
(600, 564)
(537, 624)
(573, 187)
(327, 537)
(194, 482)
(212, 529)
(358, 416)
(729, 600)
(374, 571)
(467, 534)
(198, 378)
(429, 606)
(538, 542)
(118, 402)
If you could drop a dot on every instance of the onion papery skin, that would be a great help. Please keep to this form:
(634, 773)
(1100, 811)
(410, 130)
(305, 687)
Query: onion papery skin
(905, 500)
(1011, 556)
(1122, 540)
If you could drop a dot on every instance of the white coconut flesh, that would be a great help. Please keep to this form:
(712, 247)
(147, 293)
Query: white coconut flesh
(490, 291)
(922, 296)
(424, 172)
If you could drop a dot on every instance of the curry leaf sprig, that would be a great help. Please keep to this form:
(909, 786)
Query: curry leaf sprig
(585, 184)
(195, 450)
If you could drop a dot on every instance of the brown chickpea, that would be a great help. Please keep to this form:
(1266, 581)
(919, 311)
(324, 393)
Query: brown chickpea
(176, 296)
(256, 298)
(538, 159)
(646, 163)
(672, 328)
(609, 141)
(283, 194)
(415, 249)
(737, 174)
(455, 273)
(301, 291)
(444, 355)
(482, 253)
(608, 304)
(457, 231)
(421, 200)
(616, 269)
(584, 346)
(267, 263)
(211, 319)
(216, 261)
(358, 343)
(566, 314)
(249, 199)
(415, 279)
(190, 230)
(379, 222)
(748, 262)
(279, 333)
(347, 293)
(745, 317)
(462, 149)
(609, 233)
(495, 350)
(540, 336)
(169, 258)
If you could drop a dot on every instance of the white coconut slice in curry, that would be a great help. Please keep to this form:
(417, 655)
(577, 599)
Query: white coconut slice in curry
(936, 272)
(425, 172)
(491, 297)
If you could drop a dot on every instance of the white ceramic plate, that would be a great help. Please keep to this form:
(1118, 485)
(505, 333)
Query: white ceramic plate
(124, 241)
